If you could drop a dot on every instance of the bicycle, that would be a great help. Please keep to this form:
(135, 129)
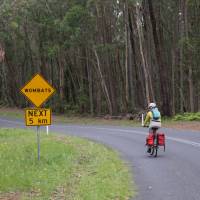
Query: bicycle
(158, 140)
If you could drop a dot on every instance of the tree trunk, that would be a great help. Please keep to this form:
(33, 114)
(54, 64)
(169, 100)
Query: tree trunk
(190, 76)
(163, 69)
(181, 30)
(126, 52)
(140, 35)
(103, 84)
(173, 82)
(61, 78)
(90, 85)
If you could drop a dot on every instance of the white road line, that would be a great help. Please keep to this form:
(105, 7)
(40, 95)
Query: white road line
(195, 144)
(183, 141)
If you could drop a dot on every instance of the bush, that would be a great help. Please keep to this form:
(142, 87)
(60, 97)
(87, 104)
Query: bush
(187, 117)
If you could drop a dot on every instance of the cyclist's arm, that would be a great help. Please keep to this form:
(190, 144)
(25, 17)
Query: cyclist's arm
(147, 119)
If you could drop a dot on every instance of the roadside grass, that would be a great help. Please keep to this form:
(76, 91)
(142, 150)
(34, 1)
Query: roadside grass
(188, 121)
(71, 119)
(70, 168)
(12, 113)
(94, 121)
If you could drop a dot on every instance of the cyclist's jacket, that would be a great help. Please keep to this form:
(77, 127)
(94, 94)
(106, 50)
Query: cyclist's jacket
(151, 122)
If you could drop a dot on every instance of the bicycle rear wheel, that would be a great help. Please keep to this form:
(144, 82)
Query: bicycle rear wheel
(154, 148)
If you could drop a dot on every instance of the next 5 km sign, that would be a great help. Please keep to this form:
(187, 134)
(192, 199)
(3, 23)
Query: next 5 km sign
(38, 117)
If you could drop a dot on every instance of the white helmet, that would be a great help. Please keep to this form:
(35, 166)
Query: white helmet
(152, 105)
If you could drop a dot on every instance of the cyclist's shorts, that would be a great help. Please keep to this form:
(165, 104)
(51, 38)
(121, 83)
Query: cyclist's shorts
(155, 124)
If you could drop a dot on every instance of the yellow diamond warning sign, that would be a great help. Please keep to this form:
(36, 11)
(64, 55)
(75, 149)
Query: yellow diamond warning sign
(38, 117)
(37, 90)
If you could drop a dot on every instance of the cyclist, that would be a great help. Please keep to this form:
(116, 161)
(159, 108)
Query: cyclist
(152, 119)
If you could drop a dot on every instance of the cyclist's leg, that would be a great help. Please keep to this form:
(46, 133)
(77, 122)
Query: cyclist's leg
(154, 133)
(150, 130)
(155, 146)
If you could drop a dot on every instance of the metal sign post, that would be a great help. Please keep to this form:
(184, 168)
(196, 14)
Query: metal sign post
(47, 130)
(38, 141)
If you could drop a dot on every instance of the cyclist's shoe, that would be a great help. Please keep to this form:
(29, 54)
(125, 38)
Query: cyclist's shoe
(149, 150)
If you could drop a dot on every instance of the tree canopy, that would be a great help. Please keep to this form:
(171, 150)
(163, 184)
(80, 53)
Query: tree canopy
(103, 56)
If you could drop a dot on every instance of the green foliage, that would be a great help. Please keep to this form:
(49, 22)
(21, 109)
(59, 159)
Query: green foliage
(138, 2)
(77, 24)
(45, 36)
(187, 117)
(69, 167)
(193, 3)
(53, 50)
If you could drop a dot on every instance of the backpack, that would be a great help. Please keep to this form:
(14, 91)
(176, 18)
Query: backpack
(155, 113)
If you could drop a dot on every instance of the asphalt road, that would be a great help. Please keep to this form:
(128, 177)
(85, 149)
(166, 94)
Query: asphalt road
(173, 175)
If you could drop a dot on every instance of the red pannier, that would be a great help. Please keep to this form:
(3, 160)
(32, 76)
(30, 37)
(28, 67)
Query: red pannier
(161, 139)
(149, 140)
